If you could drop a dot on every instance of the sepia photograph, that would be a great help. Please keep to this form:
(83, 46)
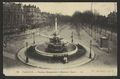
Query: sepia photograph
(60, 38)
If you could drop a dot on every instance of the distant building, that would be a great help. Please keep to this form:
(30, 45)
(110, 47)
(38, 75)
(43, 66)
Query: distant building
(32, 14)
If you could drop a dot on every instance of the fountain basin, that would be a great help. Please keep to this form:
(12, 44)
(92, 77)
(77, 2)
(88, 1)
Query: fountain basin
(41, 49)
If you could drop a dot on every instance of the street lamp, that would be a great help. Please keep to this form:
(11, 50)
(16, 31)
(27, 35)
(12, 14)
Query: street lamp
(33, 38)
(72, 38)
(90, 55)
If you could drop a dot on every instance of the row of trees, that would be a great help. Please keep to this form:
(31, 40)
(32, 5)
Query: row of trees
(88, 17)
(100, 21)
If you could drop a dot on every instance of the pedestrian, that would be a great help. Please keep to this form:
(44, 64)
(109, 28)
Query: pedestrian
(109, 50)
(26, 44)
(4, 44)
(65, 59)
(33, 42)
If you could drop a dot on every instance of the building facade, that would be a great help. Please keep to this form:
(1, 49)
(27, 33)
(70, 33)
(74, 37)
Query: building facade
(32, 15)
(13, 16)
(17, 16)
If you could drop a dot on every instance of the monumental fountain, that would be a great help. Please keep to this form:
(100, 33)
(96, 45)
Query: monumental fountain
(55, 51)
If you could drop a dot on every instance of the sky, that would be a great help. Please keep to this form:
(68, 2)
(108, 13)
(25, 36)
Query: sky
(68, 8)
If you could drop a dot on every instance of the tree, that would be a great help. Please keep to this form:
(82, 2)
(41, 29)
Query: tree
(112, 21)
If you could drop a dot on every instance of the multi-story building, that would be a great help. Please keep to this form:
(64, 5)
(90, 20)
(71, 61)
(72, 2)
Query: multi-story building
(32, 14)
(13, 16)
(17, 16)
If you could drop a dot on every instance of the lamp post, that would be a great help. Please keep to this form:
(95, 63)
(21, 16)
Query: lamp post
(27, 59)
(72, 37)
(90, 56)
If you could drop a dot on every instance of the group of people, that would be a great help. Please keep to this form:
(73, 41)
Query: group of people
(63, 59)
